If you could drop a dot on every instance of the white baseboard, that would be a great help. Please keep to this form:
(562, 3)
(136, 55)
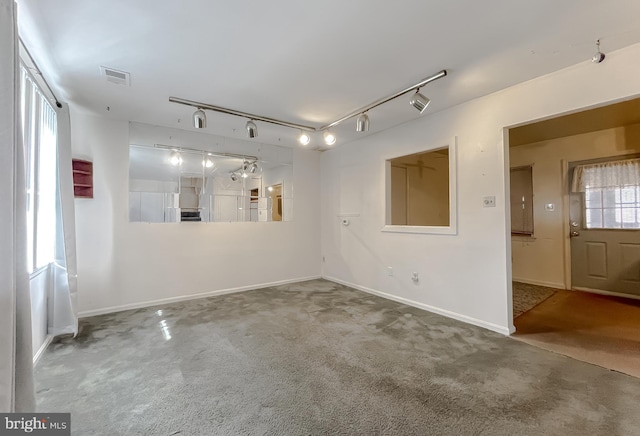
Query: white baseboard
(149, 303)
(608, 293)
(449, 314)
(42, 349)
(539, 283)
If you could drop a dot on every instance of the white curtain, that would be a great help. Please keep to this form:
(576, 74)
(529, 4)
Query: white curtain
(16, 365)
(606, 175)
(63, 315)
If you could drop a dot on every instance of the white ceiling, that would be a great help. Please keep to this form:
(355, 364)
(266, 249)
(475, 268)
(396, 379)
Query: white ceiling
(307, 62)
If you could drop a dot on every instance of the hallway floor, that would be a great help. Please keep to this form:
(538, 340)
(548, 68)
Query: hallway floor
(317, 358)
(593, 328)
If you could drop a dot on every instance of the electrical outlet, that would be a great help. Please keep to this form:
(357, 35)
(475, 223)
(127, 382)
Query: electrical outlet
(489, 201)
(390, 271)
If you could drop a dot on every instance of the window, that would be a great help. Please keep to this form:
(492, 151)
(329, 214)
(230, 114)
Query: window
(421, 192)
(611, 193)
(39, 132)
(612, 208)
(522, 201)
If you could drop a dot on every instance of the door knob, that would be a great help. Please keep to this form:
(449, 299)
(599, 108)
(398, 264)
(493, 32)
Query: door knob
(574, 233)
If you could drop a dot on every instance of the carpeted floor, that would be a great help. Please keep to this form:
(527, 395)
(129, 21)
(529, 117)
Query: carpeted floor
(526, 297)
(594, 328)
(317, 358)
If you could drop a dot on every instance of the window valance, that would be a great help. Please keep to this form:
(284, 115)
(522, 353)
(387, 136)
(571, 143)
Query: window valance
(611, 174)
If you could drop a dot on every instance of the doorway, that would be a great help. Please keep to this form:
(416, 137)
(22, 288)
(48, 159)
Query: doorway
(543, 253)
(568, 248)
(274, 193)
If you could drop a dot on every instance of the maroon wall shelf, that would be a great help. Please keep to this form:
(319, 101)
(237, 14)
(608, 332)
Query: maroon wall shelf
(82, 178)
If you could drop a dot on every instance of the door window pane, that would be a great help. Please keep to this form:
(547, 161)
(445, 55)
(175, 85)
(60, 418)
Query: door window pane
(593, 199)
(594, 218)
(611, 221)
(608, 196)
(620, 208)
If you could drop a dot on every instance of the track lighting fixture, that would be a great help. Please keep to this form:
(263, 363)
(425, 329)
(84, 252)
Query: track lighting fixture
(419, 101)
(175, 159)
(362, 123)
(199, 119)
(329, 138)
(304, 138)
(252, 129)
(246, 166)
(249, 166)
(598, 57)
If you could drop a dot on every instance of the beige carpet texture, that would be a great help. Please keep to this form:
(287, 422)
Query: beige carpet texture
(318, 358)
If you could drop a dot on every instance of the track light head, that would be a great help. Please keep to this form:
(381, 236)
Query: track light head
(252, 129)
(175, 159)
(362, 123)
(419, 101)
(253, 167)
(329, 138)
(304, 138)
(234, 177)
(199, 119)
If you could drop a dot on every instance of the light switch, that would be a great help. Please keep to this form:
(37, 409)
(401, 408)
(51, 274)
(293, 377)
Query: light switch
(549, 207)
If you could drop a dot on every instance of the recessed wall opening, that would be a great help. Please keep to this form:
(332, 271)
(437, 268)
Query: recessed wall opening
(421, 193)
(420, 189)
(576, 260)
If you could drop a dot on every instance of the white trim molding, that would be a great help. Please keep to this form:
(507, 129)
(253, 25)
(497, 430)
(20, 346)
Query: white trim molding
(42, 349)
(449, 314)
(150, 303)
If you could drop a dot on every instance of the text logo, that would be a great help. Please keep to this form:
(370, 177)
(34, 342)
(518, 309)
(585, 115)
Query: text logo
(40, 424)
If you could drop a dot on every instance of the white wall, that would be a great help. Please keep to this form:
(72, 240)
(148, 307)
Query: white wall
(122, 264)
(467, 275)
(540, 260)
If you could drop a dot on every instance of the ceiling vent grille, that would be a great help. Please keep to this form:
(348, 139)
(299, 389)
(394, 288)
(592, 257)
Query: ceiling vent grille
(115, 76)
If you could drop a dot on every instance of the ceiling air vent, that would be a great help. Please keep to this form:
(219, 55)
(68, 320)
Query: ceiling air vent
(115, 76)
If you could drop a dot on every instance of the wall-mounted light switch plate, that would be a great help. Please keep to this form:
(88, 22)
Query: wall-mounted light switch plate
(489, 201)
(549, 207)
(390, 271)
